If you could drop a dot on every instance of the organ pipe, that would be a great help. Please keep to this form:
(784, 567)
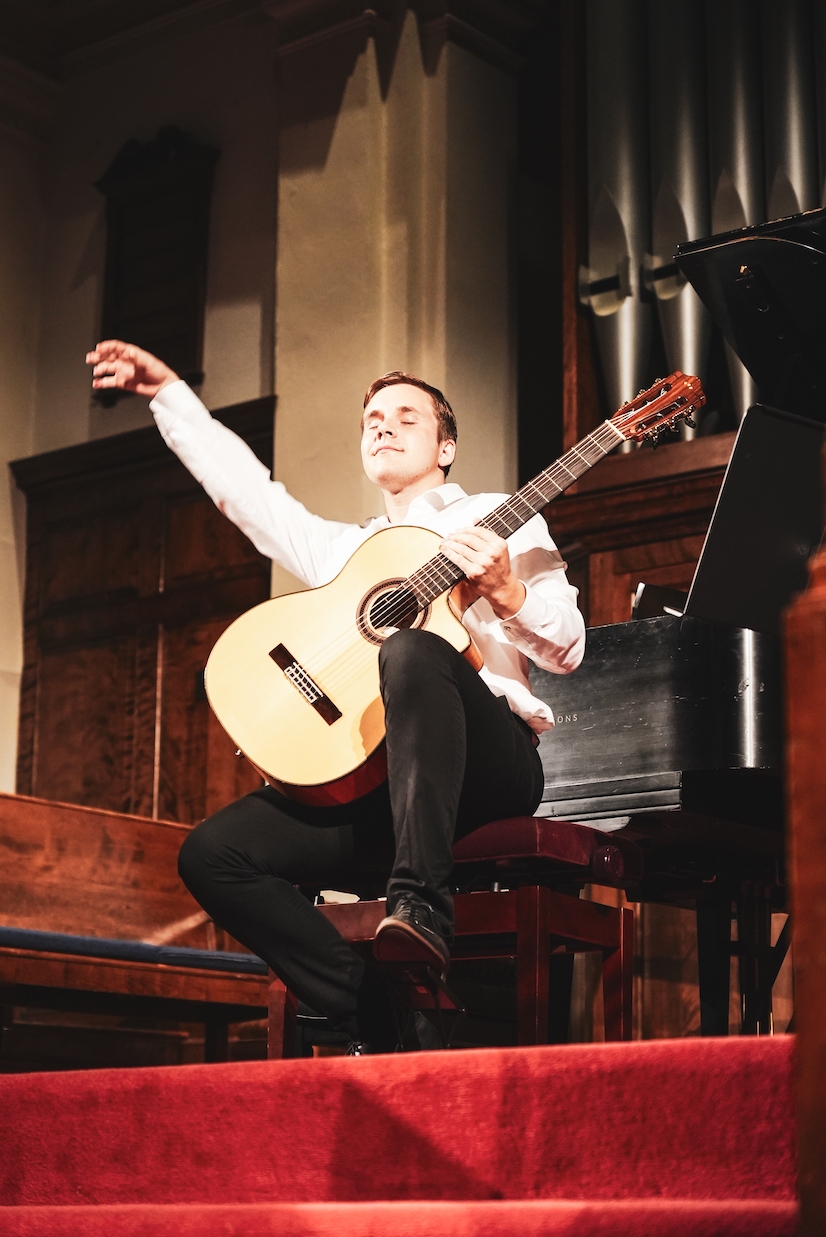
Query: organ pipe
(679, 177)
(790, 118)
(618, 193)
(735, 138)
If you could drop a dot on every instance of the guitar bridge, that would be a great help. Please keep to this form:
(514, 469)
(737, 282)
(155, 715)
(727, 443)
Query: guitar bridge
(305, 684)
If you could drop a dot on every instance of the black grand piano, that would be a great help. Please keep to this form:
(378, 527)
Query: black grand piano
(671, 730)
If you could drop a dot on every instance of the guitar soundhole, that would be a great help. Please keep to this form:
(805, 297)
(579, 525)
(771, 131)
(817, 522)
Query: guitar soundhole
(386, 608)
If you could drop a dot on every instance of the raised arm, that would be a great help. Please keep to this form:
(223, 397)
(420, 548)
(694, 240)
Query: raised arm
(123, 367)
(235, 479)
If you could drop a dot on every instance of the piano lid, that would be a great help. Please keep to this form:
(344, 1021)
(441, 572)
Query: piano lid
(765, 287)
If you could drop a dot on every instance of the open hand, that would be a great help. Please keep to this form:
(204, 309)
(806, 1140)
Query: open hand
(126, 368)
(484, 558)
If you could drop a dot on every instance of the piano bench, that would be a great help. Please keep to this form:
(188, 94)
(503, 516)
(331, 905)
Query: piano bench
(524, 847)
(526, 921)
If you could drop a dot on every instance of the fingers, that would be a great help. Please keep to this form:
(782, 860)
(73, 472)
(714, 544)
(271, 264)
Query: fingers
(478, 539)
(109, 350)
(475, 563)
(112, 374)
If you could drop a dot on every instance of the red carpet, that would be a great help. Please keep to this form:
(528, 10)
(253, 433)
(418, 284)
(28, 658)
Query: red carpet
(689, 1138)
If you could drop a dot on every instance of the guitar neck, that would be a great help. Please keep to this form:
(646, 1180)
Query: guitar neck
(439, 574)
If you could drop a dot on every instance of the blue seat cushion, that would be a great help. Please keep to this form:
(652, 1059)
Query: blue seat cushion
(129, 951)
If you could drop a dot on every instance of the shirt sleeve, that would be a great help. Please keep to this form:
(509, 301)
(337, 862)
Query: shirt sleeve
(548, 628)
(242, 487)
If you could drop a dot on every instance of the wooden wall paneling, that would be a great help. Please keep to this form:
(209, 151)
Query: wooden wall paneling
(199, 771)
(609, 590)
(131, 572)
(669, 989)
(641, 516)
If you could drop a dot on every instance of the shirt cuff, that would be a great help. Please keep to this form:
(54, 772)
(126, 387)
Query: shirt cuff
(529, 617)
(178, 400)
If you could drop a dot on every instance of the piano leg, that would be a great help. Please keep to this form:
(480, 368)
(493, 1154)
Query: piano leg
(754, 921)
(713, 957)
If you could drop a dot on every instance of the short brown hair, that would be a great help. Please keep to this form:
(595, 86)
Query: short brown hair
(444, 413)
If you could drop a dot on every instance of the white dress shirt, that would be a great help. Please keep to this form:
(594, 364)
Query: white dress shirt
(548, 628)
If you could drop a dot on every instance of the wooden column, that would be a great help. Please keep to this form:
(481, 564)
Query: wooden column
(806, 710)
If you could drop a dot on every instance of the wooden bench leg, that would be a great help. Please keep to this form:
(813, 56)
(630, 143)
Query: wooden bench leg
(618, 980)
(281, 1023)
(533, 952)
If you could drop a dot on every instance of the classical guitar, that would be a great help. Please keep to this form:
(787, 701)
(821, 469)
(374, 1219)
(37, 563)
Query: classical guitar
(295, 680)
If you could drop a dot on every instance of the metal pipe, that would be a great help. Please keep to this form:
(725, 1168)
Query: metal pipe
(735, 138)
(790, 115)
(679, 177)
(618, 193)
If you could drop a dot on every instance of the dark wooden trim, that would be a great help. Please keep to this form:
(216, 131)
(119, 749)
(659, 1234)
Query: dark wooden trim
(677, 459)
(252, 420)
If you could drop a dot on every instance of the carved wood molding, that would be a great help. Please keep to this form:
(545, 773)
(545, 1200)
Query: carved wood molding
(28, 103)
(491, 29)
(252, 420)
(68, 40)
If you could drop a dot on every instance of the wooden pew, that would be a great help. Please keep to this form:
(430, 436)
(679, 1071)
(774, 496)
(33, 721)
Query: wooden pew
(65, 868)
(91, 873)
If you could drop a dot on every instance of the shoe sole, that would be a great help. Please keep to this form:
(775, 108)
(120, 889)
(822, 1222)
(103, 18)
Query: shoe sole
(397, 941)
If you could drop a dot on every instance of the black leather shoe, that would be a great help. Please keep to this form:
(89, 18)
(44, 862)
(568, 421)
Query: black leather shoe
(421, 1035)
(410, 935)
(359, 1048)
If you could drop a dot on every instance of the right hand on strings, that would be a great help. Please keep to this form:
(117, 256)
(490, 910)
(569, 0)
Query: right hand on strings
(124, 367)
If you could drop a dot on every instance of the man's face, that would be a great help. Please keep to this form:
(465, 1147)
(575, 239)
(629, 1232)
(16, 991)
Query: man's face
(400, 438)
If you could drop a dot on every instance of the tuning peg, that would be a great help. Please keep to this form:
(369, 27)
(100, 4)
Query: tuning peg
(688, 421)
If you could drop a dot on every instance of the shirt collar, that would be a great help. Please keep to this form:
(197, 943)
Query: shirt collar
(439, 498)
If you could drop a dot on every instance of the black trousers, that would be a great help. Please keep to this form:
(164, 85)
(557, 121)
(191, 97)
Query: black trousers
(457, 758)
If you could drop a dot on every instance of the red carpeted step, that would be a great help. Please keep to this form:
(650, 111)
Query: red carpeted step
(641, 1218)
(701, 1119)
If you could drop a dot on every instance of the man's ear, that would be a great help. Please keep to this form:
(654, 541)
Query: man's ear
(447, 453)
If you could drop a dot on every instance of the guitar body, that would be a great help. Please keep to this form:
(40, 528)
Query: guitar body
(295, 681)
(268, 666)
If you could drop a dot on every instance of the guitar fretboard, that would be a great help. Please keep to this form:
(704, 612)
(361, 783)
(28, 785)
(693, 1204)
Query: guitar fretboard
(439, 574)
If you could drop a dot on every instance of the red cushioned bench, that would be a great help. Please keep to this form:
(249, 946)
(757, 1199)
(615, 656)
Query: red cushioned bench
(509, 908)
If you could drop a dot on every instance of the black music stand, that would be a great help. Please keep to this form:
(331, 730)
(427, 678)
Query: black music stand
(766, 525)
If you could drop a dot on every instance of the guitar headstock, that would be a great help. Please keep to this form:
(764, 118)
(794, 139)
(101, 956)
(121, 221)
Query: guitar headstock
(662, 407)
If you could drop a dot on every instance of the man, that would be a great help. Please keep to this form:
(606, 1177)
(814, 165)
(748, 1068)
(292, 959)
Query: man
(461, 745)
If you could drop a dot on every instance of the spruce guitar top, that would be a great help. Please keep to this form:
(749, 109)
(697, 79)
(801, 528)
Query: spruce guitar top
(295, 680)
